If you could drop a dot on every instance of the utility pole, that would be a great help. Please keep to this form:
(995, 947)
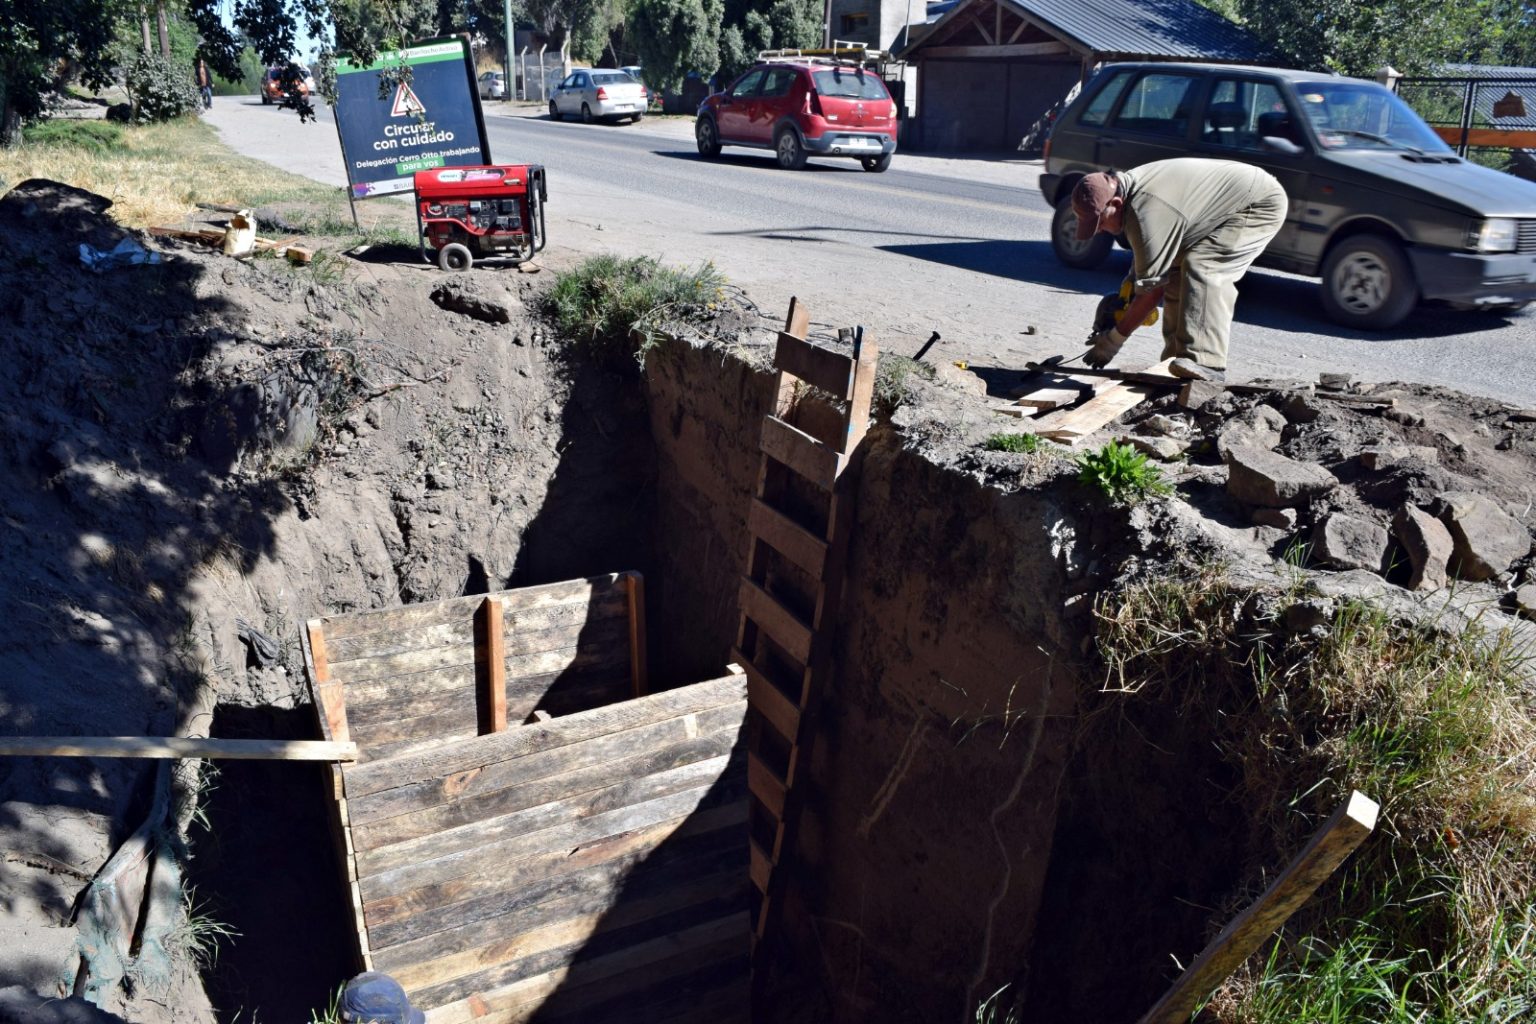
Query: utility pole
(511, 86)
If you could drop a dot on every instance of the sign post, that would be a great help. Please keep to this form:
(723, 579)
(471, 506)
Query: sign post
(434, 120)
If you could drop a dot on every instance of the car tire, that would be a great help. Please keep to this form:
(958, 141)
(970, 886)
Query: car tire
(789, 150)
(266, 100)
(455, 257)
(586, 114)
(636, 119)
(1368, 283)
(554, 111)
(876, 164)
(1078, 255)
(707, 138)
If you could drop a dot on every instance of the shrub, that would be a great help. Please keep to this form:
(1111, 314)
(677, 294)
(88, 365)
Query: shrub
(161, 91)
(893, 381)
(94, 136)
(606, 300)
(1121, 472)
(1026, 444)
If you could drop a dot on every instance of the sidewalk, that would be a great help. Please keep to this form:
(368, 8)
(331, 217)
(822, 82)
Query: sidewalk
(991, 169)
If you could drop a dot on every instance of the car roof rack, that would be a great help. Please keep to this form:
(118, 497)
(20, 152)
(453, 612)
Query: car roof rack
(841, 52)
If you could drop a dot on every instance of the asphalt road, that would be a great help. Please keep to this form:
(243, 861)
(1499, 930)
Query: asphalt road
(958, 246)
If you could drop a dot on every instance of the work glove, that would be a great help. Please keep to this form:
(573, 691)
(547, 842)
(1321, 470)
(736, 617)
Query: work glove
(1107, 314)
(1104, 346)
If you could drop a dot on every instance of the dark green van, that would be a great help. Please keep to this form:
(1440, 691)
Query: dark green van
(1381, 209)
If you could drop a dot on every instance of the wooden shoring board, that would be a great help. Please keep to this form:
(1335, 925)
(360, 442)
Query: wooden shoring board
(820, 556)
(1073, 425)
(1058, 390)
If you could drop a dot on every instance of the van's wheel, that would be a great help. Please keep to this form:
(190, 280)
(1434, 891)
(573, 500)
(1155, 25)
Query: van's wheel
(788, 149)
(454, 257)
(266, 100)
(707, 138)
(876, 164)
(586, 114)
(1084, 255)
(1368, 283)
(554, 111)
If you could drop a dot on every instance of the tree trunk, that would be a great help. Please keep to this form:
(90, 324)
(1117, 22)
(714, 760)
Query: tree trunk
(10, 121)
(149, 47)
(165, 32)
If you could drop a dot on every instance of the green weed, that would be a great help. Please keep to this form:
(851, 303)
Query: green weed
(606, 301)
(332, 1012)
(1121, 472)
(197, 935)
(893, 381)
(1026, 444)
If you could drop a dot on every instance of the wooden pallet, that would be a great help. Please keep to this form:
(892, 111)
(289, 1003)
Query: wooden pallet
(798, 522)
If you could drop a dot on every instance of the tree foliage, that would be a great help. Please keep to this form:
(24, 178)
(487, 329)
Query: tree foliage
(674, 37)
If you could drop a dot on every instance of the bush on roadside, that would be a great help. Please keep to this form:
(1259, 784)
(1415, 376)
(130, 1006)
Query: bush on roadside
(602, 304)
(92, 136)
(160, 90)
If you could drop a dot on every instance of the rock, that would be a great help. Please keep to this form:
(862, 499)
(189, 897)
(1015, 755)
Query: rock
(1407, 417)
(1522, 416)
(1346, 542)
(1525, 601)
(467, 295)
(1385, 456)
(1279, 518)
(1196, 393)
(1260, 427)
(1164, 426)
(1165, 448)
(1262, 477)
(1302, 408)
(1428, 545)
(1334, 380)
(441, 479)
(1487, 539)
(1312, 615)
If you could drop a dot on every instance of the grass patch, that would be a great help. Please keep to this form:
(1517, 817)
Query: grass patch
(1433, 920)
(894, 376)
(92, 136)
(1026, 444)
(1121, 473)
(602, 303)
(154, 174)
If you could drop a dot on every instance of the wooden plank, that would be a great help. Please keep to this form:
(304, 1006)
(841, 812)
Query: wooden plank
(495, 660)
(176, 747)
(1053, 390)
(597, 765)
(396, 695)
(1345, 830)
(615, 794)
(385, 671)
(432, 613)
(819, 367)
(1075, 424)
(765, 697)
(783, 626)
(1496, 138)
(522, 1000)
(343, 827)
(571, 832)
(787, 537)
(800, 452)
(637, 659)
(458, 757)
(328, 692)
(863, 395)
(527, 631)
(548, 873)
(764, 784)
(759, 867)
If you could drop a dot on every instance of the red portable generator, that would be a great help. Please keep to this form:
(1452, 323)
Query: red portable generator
(470, 213)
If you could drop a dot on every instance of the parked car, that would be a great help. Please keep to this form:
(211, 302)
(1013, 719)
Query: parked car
(272, 83)
(493, 85)
(1381, 209)
(801, 107)
(598, 93)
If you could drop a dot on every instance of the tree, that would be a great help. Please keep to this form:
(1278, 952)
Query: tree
(674, 37)
(36, 35)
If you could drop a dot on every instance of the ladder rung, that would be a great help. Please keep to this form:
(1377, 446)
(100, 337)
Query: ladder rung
(766, 785)
(771, 702)
(777, 621)
(788, 537)
(819, 367)
(761, 866)
(802, 453)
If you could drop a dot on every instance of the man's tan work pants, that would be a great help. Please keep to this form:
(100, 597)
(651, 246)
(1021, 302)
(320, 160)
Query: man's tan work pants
(1202, 289)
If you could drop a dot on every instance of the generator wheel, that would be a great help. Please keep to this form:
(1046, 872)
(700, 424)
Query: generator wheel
(454, 257)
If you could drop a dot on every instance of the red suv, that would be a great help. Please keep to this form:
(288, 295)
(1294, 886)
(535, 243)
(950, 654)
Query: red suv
(800, 107)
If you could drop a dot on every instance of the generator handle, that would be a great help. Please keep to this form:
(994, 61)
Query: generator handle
(536, 173)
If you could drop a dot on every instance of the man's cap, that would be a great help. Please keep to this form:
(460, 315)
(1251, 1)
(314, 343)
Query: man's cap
(374, 998)
(1088, 201)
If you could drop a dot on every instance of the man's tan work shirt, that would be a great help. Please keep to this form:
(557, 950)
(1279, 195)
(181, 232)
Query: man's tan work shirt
(1173, 204)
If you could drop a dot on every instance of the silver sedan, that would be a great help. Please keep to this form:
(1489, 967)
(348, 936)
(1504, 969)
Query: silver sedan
(598, 93)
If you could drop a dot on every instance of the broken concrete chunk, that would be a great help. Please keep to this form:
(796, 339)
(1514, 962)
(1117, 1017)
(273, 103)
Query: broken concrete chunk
(1279, 518)
(1346, 542)
(1302, 408)
(1525, 601)
(1165, 448)
(1259, 427)
(1195, 393)
(1385, 456)
(1428, 545)
(1487, 539)
(1262, 477)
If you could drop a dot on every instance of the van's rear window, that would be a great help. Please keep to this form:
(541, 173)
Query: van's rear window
(850, 84)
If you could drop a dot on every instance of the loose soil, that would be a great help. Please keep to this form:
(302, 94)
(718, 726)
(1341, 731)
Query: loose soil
(200, 454)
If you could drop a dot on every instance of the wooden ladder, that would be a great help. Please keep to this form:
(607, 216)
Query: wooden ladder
(798, 523)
